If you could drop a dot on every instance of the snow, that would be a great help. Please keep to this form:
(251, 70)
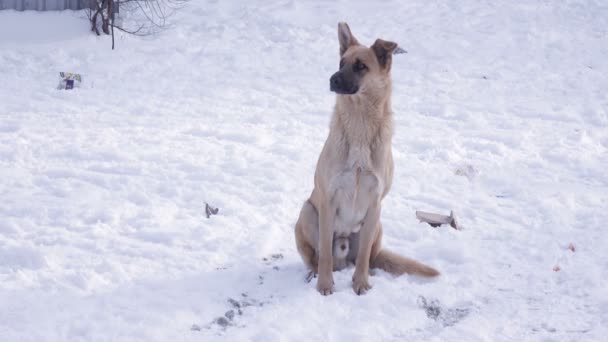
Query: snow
(501, 112)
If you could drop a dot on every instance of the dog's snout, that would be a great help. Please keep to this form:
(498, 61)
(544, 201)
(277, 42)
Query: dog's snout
(335, 82)
(343, 83)
(343, 247)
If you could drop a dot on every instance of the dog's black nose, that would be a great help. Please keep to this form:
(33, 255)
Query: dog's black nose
(335, 82)
(343, 247)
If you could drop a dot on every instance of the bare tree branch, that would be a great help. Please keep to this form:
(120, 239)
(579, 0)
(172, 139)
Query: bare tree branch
(155, 15)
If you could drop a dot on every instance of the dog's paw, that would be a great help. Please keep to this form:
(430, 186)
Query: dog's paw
(361, 285)
(325, 286)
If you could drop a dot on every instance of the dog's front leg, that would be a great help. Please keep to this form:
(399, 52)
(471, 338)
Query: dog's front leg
(367, 237)
(325, 282)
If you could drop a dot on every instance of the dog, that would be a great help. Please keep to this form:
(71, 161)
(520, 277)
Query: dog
(354, 171)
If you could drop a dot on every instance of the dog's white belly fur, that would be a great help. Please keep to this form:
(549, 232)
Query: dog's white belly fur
(355, 189)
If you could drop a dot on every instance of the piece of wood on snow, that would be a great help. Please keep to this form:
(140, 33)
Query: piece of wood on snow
(436, 220)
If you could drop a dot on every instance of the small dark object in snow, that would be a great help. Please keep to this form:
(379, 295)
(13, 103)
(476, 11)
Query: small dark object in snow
(556, 268)
(572, 247)
(195, 327)
(221, 321)
(69, 80)
(234, 303)
(229, 314)
(436, 220)
(209, 210)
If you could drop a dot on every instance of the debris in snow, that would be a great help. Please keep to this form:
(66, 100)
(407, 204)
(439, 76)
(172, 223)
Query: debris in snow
(234, 303)
(222, 322)
(273, 257)
(466, 170)
(436, 311)
(195, 327)
(556, 268)
(572, 247)
(209, 210)
(69, 80)
(436, 220)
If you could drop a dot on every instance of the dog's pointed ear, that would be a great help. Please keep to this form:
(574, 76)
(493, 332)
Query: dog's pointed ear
(345, 37)
(383, 49)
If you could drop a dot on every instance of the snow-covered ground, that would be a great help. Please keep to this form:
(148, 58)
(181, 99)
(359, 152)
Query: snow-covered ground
(501, 112)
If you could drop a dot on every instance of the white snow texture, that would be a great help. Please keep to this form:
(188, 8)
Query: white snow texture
(501, 114)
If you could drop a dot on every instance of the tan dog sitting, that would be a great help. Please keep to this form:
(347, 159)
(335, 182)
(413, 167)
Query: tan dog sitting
(354, 171)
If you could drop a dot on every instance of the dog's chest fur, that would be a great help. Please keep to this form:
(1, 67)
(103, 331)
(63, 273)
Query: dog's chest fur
(355, 160)
(355, 188)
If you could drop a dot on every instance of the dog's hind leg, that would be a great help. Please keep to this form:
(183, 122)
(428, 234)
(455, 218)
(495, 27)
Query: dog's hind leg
(307, 237)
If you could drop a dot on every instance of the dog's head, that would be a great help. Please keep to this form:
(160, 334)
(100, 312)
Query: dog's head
(361, 67)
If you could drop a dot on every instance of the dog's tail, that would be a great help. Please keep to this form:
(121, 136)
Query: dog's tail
(397, 265)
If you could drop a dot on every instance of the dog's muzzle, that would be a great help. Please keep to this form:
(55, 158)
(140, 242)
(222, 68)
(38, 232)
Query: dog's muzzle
(339, 85)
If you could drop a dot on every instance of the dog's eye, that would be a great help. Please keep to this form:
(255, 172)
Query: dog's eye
(341, 63)
(358, 66)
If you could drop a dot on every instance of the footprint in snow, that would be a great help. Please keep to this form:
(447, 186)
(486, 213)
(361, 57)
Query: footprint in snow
(272, 259)
(235, 309)
(438, 312)
(466, 170)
